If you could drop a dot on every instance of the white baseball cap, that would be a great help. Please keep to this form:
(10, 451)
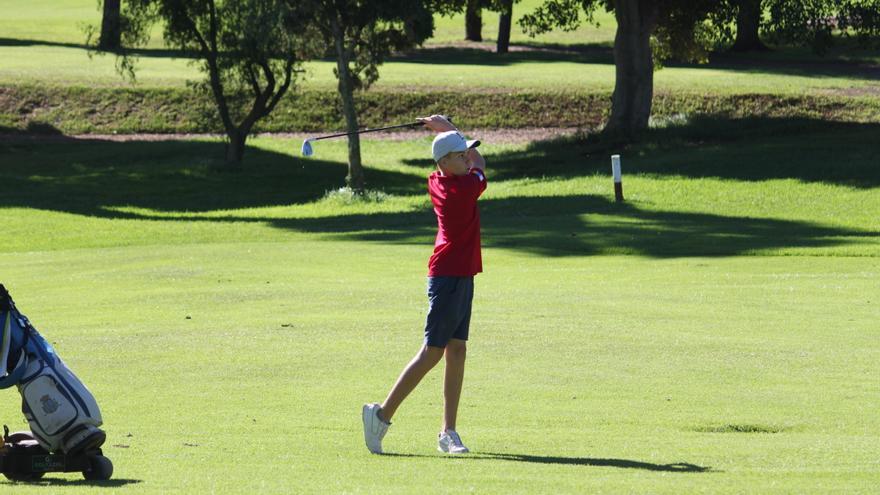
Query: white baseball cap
(448, 142)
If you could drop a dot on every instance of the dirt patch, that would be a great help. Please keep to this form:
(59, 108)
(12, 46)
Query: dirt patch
(491, 46)
(494, 136)
(869, 91)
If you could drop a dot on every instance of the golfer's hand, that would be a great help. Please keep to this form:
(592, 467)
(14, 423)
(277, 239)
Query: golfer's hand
(437, 123)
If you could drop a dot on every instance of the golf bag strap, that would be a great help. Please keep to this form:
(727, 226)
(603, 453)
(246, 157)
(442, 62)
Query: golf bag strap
(5, 341)
(13, 377)
(11, 374)
(5, 299)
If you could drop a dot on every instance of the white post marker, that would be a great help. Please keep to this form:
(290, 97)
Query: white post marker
(618, 182)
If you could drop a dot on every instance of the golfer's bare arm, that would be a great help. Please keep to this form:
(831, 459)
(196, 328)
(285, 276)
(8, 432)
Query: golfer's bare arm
(439, 123)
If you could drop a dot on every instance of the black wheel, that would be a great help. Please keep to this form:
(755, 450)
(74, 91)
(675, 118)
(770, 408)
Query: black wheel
(23, 476)
(100, 469)
(20, 436)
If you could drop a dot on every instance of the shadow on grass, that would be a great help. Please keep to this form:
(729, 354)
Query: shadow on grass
(603, 53)
(749, 149)
(572, 226)
(100, 178)
(585, 53)
(791, 65)
(585, 224)
(88, 176)
(142, 52)
(33, 129)
(678, 467)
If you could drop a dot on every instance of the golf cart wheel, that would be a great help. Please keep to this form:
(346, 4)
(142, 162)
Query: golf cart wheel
(23, 476)
(100, 469)
(20, 437)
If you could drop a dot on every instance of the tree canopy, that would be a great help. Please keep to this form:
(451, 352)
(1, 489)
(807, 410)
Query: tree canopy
(814, 23)
(249, 51)
(649, 32)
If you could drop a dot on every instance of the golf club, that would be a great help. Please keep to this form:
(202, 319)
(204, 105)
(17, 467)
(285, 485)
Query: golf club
(307, 144)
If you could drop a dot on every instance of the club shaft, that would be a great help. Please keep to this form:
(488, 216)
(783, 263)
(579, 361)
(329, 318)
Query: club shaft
(411, 124)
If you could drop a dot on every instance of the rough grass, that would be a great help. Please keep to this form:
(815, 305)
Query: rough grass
(78, 110)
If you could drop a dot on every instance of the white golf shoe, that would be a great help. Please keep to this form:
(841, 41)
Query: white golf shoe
(450, 442)
(374, 428)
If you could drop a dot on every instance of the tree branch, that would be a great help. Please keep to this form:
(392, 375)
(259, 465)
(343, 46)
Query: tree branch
(213, 70)
(288, 78)
(252, 78)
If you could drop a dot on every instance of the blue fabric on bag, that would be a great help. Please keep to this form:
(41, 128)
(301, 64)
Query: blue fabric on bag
(15, 366)
(24, 339)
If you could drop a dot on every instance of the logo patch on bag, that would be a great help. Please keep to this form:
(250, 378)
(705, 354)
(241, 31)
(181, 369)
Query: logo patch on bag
(49, 404)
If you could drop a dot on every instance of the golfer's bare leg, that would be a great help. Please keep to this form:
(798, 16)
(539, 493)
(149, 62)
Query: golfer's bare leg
(420, 365)
(456, 352)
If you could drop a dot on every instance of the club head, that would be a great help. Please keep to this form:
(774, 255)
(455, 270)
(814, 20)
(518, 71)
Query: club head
(307, 148)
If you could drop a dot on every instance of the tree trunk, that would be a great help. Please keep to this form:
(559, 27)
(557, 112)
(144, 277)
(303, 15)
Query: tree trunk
(111, 27)
(473, 21)
(634, 68)
(235, 148)
(504, 26)
(355, 177)
(748, 21)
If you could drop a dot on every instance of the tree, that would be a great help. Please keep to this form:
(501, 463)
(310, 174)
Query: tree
(473, 13)
(473, 20)
(361, 34)
(813, 23)
(111, 26)
(651, 31)
(748, 24)
(672, 24)
(634, 66)
(505, 11)
(862, 17)
(737, 24)
(249, 51)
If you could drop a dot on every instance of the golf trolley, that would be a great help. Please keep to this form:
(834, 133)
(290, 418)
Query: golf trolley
(63, 416)
(23, 459)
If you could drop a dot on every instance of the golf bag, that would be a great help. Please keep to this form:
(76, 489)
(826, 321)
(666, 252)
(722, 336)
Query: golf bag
(62, 413)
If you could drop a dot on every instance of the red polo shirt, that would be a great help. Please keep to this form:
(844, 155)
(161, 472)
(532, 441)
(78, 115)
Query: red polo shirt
(457, 247)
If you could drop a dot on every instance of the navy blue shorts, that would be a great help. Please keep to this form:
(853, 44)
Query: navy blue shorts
(449, 309)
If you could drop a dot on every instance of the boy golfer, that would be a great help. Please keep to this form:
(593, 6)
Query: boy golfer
(454, 188)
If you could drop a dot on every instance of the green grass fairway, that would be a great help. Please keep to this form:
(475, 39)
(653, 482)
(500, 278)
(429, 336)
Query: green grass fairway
(63, 21)
(715, 333)
(465, 69)
(48, 34)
